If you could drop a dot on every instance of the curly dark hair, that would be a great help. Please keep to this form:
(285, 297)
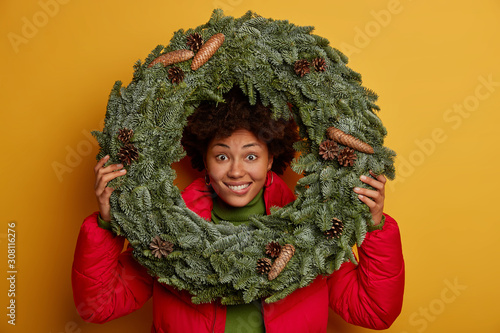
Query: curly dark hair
(211, 120)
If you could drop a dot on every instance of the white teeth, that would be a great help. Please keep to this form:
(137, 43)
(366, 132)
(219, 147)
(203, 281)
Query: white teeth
(238, 188)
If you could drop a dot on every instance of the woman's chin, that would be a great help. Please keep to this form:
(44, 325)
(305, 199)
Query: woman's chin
(236, 201)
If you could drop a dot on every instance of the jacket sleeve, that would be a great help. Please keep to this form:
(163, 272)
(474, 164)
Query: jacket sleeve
(371, 293)
(107, 283)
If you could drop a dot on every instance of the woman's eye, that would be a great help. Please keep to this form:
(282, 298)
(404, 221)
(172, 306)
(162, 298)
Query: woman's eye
(252, 157)
(221, 157)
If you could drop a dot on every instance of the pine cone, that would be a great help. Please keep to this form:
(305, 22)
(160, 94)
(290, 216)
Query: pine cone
(175, 74)
(173, 57)
(336, 229)
(194, 41)
(346, 157)
(273, 249)
(348, 140)
(319, 64)
(279, 264)
(207, 50)
(125, 134)
(160, 248)
(263, 265)
(328, 149)
(301, 67)
(128, 153)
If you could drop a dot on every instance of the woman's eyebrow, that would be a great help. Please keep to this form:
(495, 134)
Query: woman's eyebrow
(248, 145)
(253, 144)
(221, 145)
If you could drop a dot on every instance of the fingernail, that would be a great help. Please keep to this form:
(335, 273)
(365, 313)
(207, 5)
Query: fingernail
(363, 177)
(356, 189)
(360, 196)
(119, 166)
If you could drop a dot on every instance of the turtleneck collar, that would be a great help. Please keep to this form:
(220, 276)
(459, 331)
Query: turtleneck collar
(221, 211)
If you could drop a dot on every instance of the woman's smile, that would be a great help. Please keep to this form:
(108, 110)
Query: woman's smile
(239, 188)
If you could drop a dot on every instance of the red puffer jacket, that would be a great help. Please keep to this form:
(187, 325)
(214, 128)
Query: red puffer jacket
(109, 283)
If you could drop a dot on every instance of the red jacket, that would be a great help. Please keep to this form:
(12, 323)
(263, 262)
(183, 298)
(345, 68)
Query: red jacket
(109, 283)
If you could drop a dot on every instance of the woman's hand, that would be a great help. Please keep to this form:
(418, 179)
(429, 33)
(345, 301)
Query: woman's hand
(102, 176)
(374, 199)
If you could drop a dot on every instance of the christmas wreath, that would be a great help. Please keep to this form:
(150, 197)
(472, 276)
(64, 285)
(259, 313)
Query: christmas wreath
(295, 73)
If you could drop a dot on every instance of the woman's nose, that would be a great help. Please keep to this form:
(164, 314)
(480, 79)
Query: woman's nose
(236, 170)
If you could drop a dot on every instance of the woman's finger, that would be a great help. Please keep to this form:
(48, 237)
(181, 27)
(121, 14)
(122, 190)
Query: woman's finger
(374, 199)
(381, 178)
(109, 169)
(371, 194)
(101, 163)
(372, 182)
(104, 171)
(102, 182)
(367, 201)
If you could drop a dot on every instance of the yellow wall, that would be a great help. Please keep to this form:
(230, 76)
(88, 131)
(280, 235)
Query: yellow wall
(430, 61)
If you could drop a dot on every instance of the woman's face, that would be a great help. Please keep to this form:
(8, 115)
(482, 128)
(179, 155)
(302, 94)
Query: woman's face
(237, 167)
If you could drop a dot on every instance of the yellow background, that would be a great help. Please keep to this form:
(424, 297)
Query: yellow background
(426, 59)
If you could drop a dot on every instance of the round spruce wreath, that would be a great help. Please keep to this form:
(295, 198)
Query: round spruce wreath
(296, 74)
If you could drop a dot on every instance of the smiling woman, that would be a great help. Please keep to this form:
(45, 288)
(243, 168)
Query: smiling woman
(237, 143)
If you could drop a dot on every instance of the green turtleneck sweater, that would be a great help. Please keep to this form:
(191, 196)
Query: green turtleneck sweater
(245, 317)
(221, 211)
